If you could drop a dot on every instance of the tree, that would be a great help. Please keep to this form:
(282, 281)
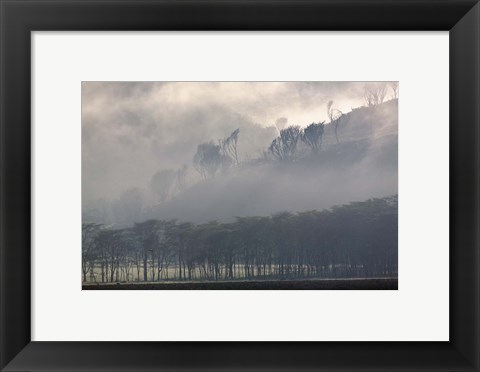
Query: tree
(284, 241)
(180, 177)
(374, 94)
(284, 147)
(110, 244)
(180, 236)
(312, 136)
(162, 182)
(146, 233)
(394, 86)
(334, 115)
(229, 146)
(209, 160)
(128, 257)
(350, 241)
(89, 238)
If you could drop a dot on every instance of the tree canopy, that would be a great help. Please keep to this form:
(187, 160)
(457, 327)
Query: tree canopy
(354, 240)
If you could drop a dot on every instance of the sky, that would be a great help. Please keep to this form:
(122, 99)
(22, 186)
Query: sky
(262, 102)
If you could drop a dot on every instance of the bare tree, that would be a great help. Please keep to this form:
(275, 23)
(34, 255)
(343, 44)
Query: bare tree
(284, 147)
(209, 160)
(312, 136)
(147, 235)
(334, 115)
(180, 177)
(394, 86)
(374, 94)
(229, 146)
(89, 238)
(110, 244)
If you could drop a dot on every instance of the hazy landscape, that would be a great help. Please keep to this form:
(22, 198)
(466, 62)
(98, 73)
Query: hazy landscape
(246, 185)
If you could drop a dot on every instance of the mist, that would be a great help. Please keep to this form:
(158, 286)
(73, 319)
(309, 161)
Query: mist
(140, 139)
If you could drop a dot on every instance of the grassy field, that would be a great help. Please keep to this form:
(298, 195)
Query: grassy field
(307, 284)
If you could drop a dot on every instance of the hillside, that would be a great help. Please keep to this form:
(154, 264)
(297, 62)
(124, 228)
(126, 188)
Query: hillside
(363, 164)
(366, 122)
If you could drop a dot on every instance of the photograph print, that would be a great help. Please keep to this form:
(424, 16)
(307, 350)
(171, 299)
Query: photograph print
(240, 185)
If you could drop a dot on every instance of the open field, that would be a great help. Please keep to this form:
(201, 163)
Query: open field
(306, 284)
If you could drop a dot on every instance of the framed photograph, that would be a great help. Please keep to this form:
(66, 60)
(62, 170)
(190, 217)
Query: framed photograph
(172, 206)
(270, 185)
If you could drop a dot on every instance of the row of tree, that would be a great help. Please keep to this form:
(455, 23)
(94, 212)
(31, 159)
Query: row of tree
(354, 240)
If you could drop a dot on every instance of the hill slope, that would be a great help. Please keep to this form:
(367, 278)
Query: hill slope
(363, 164)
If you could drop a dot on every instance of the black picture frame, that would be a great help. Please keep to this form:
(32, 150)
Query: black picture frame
(18, 18)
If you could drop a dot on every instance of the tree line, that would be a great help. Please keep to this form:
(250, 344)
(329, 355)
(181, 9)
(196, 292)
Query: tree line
(348, 241)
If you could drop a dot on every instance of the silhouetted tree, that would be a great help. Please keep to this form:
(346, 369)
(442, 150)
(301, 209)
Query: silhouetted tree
(209, 159)
(374, 94)
(355, 240)
(334, 115)
(284, 147)
(110, 243)
(89, 238)
(312, 136)
(181, 174)
(146, 233)
(229, 146)
(394, 86)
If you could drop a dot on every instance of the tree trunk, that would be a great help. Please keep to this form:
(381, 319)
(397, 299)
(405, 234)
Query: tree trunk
(145, 270)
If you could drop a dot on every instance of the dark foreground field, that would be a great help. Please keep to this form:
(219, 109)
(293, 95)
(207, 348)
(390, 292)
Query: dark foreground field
(327, 284)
